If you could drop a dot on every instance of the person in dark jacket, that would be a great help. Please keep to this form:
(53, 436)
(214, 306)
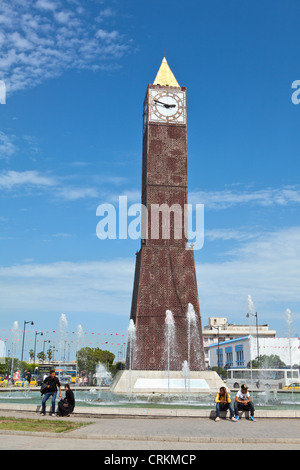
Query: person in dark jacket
(67, 405)
(52, 383)
(28, 377)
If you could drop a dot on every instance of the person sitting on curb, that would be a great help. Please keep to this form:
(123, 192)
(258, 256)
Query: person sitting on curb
(66, 406)
(223, 403)
(243, 402)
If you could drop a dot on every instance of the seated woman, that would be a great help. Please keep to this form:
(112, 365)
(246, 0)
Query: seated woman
(223, 403)
(67, 405)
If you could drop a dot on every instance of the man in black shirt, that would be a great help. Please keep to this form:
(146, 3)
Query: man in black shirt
(52, 383)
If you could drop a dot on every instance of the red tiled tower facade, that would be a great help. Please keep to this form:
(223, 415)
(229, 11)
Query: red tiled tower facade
(165, 276)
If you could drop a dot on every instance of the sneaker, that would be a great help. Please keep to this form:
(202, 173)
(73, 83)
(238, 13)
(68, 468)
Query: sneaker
(237, 418)
(217, 419)
(53, 414)
(252, 418)
(234, 419)
(43, 414)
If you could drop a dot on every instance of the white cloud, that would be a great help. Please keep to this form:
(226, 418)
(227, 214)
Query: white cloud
(105, 13)
(40, 40)
(229, 198)
(87, 287)
(228, 234)
(72, 194)
(107, 36)
(46, 5)
(27, 180)
(7, 147)
(268, 267)
(12, 179)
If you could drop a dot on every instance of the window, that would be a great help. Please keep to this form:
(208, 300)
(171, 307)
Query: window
(229, 358)
(220, 357)
(240, 358)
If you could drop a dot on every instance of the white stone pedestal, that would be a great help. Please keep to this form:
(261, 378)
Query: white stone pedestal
(146, 382)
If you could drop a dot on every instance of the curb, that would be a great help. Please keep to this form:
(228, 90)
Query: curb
(98, 412)
(119, 437)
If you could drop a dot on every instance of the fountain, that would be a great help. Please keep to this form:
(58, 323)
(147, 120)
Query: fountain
(169, 342)
(182, 388)
(186, 376)
(79, 336)
(151, 382)
(131, 341)
(194, 340)
(15, 339)
(63, 330)
(101, 375)
(289, 320)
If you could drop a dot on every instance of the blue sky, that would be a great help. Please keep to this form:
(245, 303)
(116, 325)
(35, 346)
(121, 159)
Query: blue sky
(71, 138)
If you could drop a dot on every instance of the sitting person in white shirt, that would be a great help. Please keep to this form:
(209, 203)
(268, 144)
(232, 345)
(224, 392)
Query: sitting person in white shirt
(243, 402)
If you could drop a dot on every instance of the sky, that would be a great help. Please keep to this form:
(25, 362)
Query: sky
(76, 75)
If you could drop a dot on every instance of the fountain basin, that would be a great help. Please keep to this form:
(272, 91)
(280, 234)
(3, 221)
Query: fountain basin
(87, 401)
(169, 382)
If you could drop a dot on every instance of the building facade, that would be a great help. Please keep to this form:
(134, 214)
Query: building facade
(218, 329)
(239, 352)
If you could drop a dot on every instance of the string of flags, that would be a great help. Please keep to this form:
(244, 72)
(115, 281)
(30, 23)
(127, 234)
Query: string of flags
(98, 338)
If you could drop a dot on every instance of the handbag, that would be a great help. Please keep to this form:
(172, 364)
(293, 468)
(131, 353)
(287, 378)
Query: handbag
(43, 388)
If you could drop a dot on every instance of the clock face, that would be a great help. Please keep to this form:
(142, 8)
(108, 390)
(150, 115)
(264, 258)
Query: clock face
(167, 106)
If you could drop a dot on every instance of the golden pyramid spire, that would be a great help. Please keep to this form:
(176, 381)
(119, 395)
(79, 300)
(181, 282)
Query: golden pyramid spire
(165, 75)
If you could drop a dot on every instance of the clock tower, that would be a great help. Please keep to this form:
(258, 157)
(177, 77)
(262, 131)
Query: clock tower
(165, 276)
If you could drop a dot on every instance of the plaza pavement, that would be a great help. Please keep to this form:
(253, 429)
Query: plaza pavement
(124, 428)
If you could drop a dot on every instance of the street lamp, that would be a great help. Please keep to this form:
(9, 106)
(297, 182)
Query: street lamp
(45, 341)
(25, 323)
(36, 333)
(218, 351)
(255, 315)
(54, 350)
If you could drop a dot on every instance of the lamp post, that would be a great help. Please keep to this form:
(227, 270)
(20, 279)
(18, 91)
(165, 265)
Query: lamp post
(45, 341)
(218, 350)
(36, 333)
(54, 350)
(257, 345)
(25, 323)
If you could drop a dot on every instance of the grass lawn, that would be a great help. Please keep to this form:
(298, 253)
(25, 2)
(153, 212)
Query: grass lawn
(38, 425)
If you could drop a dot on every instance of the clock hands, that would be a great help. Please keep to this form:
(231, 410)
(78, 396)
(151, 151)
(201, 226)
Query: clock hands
(165, 104)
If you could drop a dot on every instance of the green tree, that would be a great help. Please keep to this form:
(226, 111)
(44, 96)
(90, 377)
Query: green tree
(267, 362)
(41, 356)
(88, 358)
(49, 354)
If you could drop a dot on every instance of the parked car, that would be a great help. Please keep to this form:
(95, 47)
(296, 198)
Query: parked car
(293, 386)
(3, 382)
(65, 379)
(33, 383)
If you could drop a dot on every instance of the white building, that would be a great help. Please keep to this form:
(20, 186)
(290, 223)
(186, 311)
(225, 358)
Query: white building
(218, 329)
(238, 352)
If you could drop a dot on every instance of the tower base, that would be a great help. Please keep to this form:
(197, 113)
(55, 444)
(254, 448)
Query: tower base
(149, 382)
